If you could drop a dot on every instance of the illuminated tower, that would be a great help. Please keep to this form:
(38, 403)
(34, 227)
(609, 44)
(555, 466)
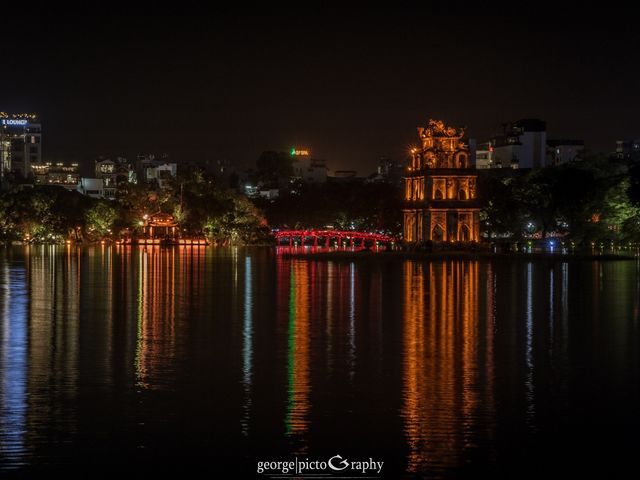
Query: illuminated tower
(440, 188)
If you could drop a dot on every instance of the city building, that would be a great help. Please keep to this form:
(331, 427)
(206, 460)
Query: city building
(254, 191)
(20, 144)
(484, 155)
(251, 190)
(628, 148)
(388, 171)
(113, 173)
(65, 175)
(307, 168)
(92, 187)
(562, 151)
(523, 145)
(152, 170)
(269, 193)
(164, 172)
(440, 188)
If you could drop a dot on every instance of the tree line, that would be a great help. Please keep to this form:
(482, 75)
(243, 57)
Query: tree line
(200, 207)
(594, 199)
(591, 200)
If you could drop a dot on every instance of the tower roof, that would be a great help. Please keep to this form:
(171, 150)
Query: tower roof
(437, 128)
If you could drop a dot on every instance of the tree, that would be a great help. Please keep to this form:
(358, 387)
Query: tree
(362, 206)
(634, 183)
(617, 212)
(42, 213)
(500, 214)
(242, 224)
(100, 219)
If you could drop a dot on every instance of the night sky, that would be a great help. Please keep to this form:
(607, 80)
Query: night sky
(351, 85)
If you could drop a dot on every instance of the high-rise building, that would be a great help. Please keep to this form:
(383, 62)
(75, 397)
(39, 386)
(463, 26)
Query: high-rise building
(20, 144)
(440, 188)
(523, 145)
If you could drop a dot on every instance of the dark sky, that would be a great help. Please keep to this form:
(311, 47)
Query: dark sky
(351, 85)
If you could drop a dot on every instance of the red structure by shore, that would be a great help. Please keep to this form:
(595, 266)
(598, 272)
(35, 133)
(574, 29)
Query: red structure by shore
(162, 229)
(325, 237)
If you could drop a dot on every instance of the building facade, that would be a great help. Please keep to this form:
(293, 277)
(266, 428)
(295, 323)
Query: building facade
(440, 188)
(150, 169)
(61, 174)
(563, 151)
(388, 171)
(306, 168)
(20, 144)
(628, 148)
(113, 173)
(523, 145)
(92, 187)
(484, 156)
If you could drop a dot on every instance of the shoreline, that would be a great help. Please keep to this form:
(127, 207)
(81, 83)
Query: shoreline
(368, 255)
(455, 255)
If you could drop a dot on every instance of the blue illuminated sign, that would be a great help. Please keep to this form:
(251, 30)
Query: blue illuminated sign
(14, 121)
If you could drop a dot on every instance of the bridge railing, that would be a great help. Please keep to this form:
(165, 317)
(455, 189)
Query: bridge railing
(341, 236)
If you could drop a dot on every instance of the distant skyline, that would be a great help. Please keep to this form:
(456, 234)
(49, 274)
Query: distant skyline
(351, 84)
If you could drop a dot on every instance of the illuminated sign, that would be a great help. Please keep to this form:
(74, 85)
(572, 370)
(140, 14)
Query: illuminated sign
(14, 121)
(299, 153)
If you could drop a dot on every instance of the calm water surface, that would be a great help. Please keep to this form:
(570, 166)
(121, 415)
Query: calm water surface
(125, 359)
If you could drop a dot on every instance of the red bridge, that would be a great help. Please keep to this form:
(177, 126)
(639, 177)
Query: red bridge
(341, 236)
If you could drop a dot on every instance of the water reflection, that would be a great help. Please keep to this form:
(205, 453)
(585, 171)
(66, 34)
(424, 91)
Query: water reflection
(352, 319)
(207, 352)
(247, 348)
(166, 280)
(155, 346)
(448, 363)
(531, 409)
(54, 279)
(299, 385)
(13, 364)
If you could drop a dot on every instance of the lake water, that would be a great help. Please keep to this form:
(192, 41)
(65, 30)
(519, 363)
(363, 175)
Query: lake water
(131, 360)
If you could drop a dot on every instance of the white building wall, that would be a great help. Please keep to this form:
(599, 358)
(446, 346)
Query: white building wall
(92, 187)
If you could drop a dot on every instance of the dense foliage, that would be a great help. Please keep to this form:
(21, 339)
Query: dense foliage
(53, 214)
(595, 199)
(350, 205)
(584, 201)
(43, 214)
